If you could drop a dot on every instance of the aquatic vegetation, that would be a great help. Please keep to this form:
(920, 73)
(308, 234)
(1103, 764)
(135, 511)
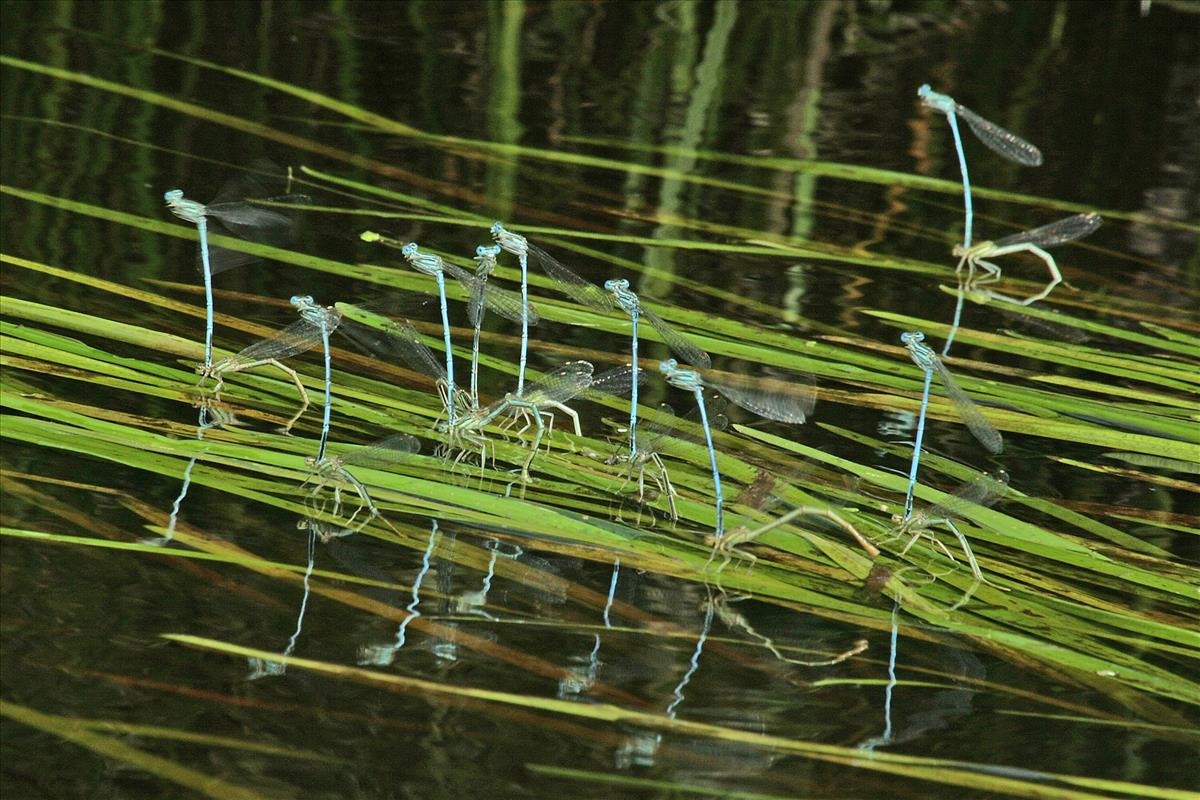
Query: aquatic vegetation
(97, 373)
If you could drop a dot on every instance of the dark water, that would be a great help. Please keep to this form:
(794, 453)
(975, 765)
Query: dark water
(1108, 94)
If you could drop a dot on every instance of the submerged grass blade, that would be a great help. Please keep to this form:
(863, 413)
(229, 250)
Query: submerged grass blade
(942, 771)
(79, 732)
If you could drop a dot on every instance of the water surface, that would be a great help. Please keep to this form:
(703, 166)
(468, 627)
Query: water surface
(674, 95)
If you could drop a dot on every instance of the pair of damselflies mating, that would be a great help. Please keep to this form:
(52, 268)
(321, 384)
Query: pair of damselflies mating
(395, 340)
(272, 224)
(316, 324)
(981, 492)
(979, 426)
(973, 256)
(782, 400)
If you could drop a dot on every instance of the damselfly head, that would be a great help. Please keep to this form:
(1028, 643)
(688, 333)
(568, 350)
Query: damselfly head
(409, 250)
(173, 196)
(912, 337)
(615, 284)
(487, 250)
